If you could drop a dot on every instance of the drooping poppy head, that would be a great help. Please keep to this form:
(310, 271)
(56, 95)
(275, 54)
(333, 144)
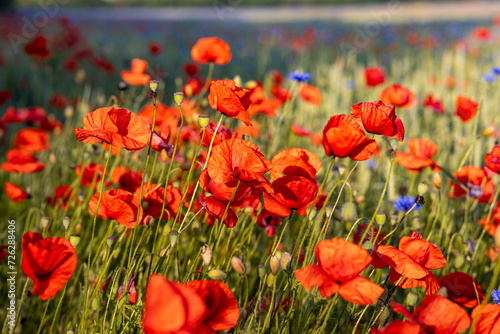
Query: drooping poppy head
(465, 108)
(38, 48)
(344, 137)
(295, 161)
(211, 49)
(399, 96)
(222, 308)
(492, 159)
(32, 140)
(50, 263)
(230, 100)
(14, 192)
(419, 157)
(462, 289)
(117, 204)
(137, 75)
(379, 118)
(310, 94)
(374, 76)
(21, 161)
(171, 307)
(116, 126)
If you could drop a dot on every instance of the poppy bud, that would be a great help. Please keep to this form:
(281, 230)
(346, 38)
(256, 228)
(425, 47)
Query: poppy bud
(270, 280)
(94, 304)
(380, 218)
(274, 264)
(153, 85)
(110, 240)
(437, 180)
(459, 261)
(203, 121)
(178, 98)
(411, 299)
(237, 81)
(122, 86)
(174, 234)
(285, 260)
(349, 212)
(250, 84)
(80, 76)
(78, 227)
(52, 158)
(368, 245)
(311, 212)
(217, 274)
(328, 211)
(422, 188)
(341, 169)
(45, 222)
(148, 220)
(384, 315)
(68, 112)
(248, 210)
(162, 252)
(261, 270)
(66, 221)
(206, 254)
(74, 239)
(238, 265)
(185, 166)
(488, 131)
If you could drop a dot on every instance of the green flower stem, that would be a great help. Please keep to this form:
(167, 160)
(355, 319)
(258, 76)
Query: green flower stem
(207, 83)
(43, 317)
(399, 223)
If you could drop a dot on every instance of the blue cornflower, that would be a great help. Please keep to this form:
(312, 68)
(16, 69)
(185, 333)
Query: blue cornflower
(495, 295)
(489, 77)
(299, 76)
(350, 84)
(404, 203)
(495, 70)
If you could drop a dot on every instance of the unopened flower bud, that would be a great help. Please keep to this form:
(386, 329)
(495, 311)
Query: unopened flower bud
(437, 180)
(459, 261)
(110, 240)
(68, 112)
(74, 239)
(248, 210)
(153, 85)
(349, 212)
(45, 222)
(178, 98)
(206, 254)
(52, 158)
(251, 84)
(217, 274)
(422, 188)
(488, 131)
(274, 264)
(174, 234)
(411, 299)
(270, 280)
(238, 265)
(341, 169)
(66, 221)
(384, 315)
(261, 270)
(285, 260)
(237, 81)
(203, 121)
(311, 212)
(380, 218)
(328, 210)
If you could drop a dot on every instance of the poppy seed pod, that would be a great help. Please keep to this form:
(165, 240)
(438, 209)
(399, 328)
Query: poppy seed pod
(178, 98)
(411, 299)
(45, 222)
(74, 239)
(66, 221)
(274, 264)
(174, 234)
(206, 254)
(238, 265)
(311, 212)
(261, 270)
(380, 218)
(110, 240)
(217, 274)
(203, 121)
(422, 188)
(153, 85)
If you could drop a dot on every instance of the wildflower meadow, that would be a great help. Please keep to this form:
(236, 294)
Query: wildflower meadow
(276, 178)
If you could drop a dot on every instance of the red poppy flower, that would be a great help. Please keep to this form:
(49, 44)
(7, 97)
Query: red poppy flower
(435, 104)
(192, 87)
(58, 101)
(295, 161)
(63, 195)
(92, 171)
(299, 131)
(217, 209)
(3, 253)
(32, 140)
(166, 117)
(211, 49)
(398, 327)
(171, 307)
(339, 265)
(488, 319)
(379, 118)
(410, 263)
(117, 204)
(155, 48)
(222, 308)
(344, 137)
(21, 161)
(310, 94)
(482, 33)
(116, 126)
(398, 96)
(461, 288)
(14, 192)
(131, 290)
(466, 108)
(492, 159)
(152, 200)
(223, 133)
(491, 225)
(126, 178)
(230, 100)
(191, 69)
(5, 95)
(374, 76)
(476, 180)
(419, 157)
(50, 263)
(104, 64)
(137, 76)
(436, 315)
(252, 131)
(224, 191)
(38, 48)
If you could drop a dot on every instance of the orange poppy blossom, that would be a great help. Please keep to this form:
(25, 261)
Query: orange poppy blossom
(492, 159)
(344, 137)
(374, 76)
(223, 133)
(116, 126)
(261, 104)
(14, 192)
(465, 108)
(436, 314)
(50, 263)
(295, 161)
(166, 117)
(137, 75)
(488, 319)
(211, 49)
(419, 157)
(63, 195)
(32, 140)
(339, 265)
(119, 205)
(411, 263)
(230, 100)
(461, 289)
(21, 161)
(399, 96)
(379, 118)
(252, 131)
(477, 181)
(153, 196)
(310, 94)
